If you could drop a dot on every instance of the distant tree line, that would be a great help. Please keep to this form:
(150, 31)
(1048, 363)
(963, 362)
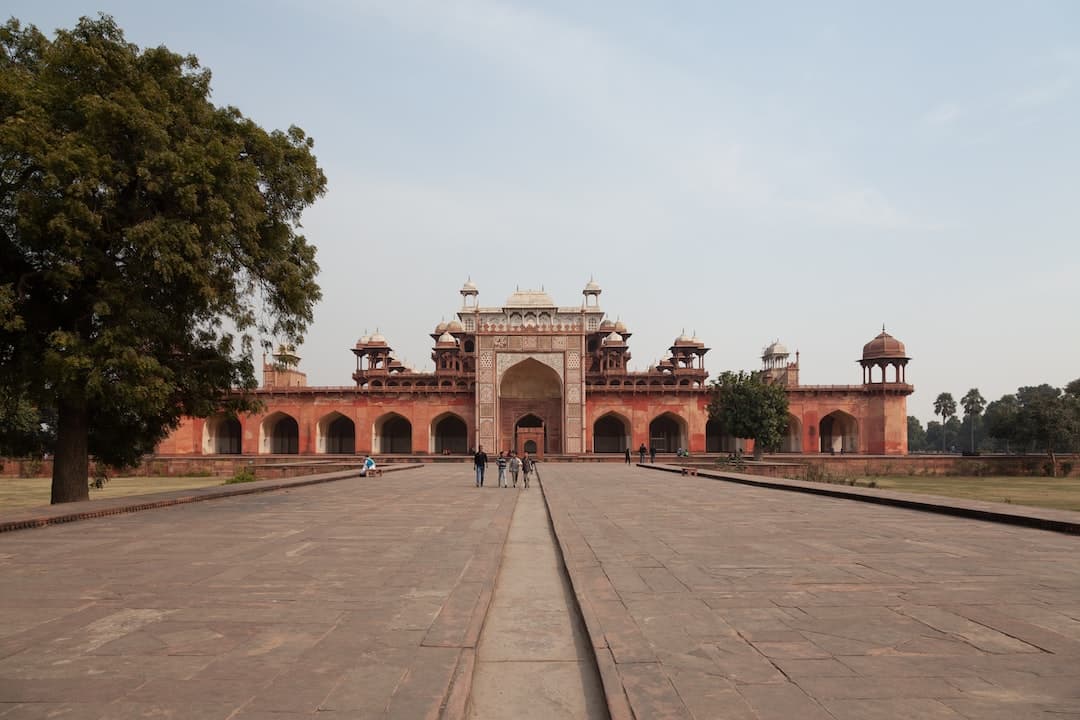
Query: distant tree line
(1034, 419)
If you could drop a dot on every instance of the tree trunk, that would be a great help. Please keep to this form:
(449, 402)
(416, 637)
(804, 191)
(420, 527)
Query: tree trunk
(71, 464)
(1053, 461)
(759, 450)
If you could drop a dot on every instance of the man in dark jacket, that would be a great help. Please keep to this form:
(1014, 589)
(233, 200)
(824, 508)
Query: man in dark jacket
(641, 454)
(480, 461)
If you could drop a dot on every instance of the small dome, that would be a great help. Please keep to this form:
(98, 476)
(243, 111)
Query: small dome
(683, 339)
(613, 339)
(453, 326)
(446, 339)
(884, 346)
(376, 339)
(607, 326)
(440, 328)
(777, 348)
(592, 287)
(620, 326)
(469, 288)
(530, 298)
(364, 340)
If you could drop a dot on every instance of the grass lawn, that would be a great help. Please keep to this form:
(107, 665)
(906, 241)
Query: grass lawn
(1057, 493)
(31, 492)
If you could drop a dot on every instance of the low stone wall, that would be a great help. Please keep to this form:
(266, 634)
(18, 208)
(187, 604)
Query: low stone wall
(905, 465)
(780, 465)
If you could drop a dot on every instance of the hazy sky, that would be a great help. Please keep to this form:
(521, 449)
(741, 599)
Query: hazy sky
(795, 171)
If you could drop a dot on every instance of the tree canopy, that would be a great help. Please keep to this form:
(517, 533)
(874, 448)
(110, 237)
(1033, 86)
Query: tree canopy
(973, 403)
(1039, 418)
(149, 238)
(945, 406)
(748, 407)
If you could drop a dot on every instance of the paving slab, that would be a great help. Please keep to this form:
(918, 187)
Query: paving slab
(714, 599)
(362, 597)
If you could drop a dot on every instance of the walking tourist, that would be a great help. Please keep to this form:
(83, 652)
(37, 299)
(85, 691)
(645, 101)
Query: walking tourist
(526, 468)
(500, 462)
(515, 466)
(652, 453)
(480, 461)
(627, 456)
(641, 454)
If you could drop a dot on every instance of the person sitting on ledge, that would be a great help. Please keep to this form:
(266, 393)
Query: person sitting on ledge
(368, 466)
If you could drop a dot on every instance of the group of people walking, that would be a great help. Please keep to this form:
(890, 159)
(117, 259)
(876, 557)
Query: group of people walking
(523, 466)
(641, 454)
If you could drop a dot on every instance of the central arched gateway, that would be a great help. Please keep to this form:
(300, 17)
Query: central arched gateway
(531, 409)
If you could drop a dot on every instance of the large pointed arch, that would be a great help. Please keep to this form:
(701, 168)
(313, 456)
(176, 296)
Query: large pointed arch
(718, 439)
(449, 434)
(667, 432)
(531, 407)
(392, 434)
(792, 442)
(279, 434)
(839, 433)
(335, 434)
(222, 435)
(611, 433)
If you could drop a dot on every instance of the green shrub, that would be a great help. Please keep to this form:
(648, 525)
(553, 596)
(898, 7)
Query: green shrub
(1066, 468)
(243, 475)
(816, 473)
(99, 475)
(30, 468)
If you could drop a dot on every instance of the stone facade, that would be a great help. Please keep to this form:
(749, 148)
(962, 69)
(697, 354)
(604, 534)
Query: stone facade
(554, 380)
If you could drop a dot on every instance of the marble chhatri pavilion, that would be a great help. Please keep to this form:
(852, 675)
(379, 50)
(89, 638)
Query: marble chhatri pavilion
(532, 375)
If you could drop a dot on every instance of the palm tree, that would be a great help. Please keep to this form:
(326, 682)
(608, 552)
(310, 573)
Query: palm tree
(973, 403)
(944, 406)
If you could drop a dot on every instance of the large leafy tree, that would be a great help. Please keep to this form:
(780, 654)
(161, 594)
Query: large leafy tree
(24, 428)
(945, 406)
(148, 239)
(748, 407)
(1048, 418)
(916, 434)
(1001, 420)
(973, 403)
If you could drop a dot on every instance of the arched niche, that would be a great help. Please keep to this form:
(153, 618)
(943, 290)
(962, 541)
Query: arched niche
(222, 435)
(336, 434)
(279, 434)
(611, 433)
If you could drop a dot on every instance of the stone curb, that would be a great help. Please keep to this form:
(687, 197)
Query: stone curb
(1063, 521)
(615, 696)
(455, 704)
(55, 515)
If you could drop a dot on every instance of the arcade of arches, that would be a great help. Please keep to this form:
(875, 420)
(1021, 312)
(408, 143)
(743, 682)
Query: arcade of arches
(535, 376)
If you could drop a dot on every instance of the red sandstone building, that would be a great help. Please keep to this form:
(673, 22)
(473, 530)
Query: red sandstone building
(551, 380)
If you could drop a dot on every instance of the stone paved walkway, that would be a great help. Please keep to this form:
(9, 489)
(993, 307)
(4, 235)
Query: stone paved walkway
(361, 598)
(711, 600)
(703, 599)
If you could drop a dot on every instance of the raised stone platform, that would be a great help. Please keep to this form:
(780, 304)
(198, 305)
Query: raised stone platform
(366, 597)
